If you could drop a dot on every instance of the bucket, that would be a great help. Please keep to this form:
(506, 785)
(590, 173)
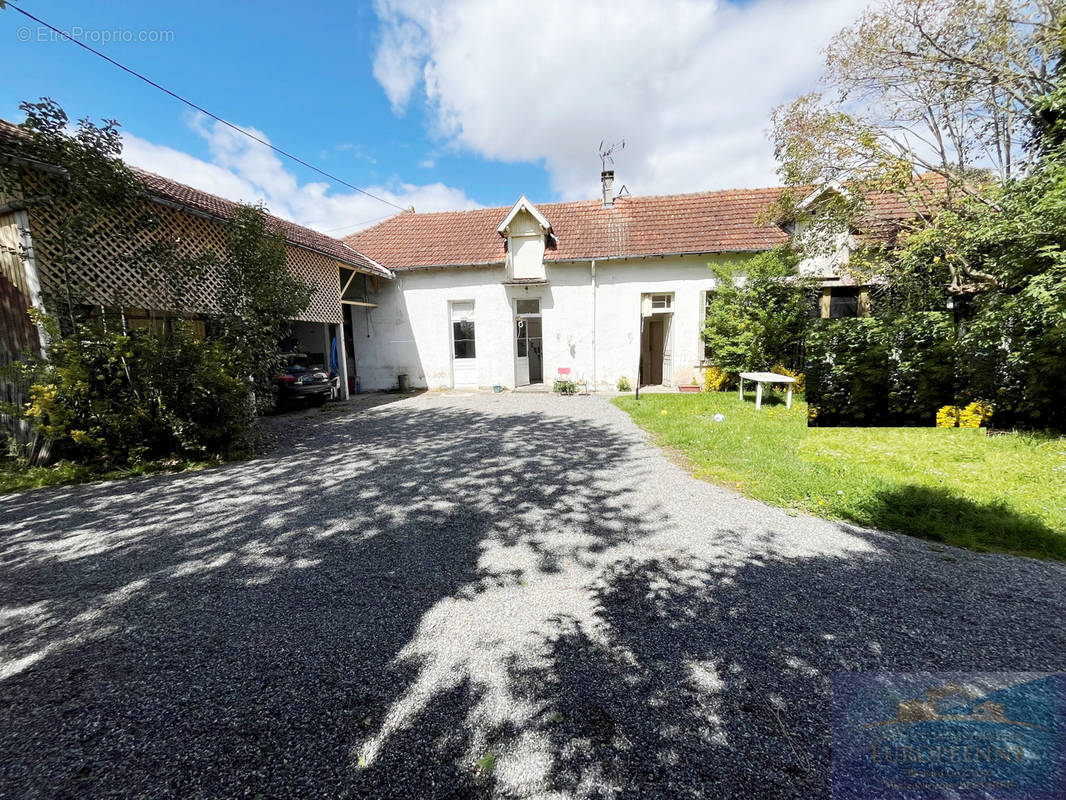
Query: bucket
(403, 382)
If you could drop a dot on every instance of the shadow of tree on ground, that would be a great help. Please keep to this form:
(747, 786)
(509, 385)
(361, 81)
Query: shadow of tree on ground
(944, 516)
(705, 678)
(240, 630)
(396, 593)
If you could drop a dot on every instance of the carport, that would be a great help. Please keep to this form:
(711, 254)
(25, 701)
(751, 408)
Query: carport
(345, 281)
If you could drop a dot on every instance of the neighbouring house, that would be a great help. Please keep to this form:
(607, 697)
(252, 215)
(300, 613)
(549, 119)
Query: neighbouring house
(190, 222)
(511, 296)
(884, 218)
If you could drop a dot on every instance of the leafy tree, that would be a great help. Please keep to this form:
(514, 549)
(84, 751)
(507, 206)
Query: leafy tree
(111, 396)
(950, 88)
(940, 85)
(81, 183)
(257, 299)
(1012, 335)
(759, 313)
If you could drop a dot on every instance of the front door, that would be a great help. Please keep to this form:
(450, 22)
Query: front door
(521, 352)
(464, 344)
(529, 365)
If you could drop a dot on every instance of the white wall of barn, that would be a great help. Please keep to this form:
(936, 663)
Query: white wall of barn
(596, 333)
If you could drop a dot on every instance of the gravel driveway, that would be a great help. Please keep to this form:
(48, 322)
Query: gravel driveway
(400, 591)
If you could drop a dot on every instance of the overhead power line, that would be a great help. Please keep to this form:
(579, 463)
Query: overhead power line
(356, 224)
(201, 109)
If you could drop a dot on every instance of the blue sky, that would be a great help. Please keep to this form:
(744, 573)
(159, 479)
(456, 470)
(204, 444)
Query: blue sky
(443, 104)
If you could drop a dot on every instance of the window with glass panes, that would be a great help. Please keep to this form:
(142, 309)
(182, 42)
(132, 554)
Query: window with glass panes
(708, 297)
(844, 302)
(463, 330)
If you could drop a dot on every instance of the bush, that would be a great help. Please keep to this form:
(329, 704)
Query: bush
(623, 384)
(760, 320)
(800, 385)
(921, 367)
(866, 371)
(976, 415)
(716, 379)
(116, 398)
(847, 371)
(947, 417)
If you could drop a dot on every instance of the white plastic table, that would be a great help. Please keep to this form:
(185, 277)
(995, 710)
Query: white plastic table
(765, 377)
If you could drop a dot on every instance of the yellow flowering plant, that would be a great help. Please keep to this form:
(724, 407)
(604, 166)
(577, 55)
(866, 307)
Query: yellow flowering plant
(947, 417)
(716, 379)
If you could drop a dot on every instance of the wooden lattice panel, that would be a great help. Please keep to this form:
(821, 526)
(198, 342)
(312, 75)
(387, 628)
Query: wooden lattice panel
(108, 273)
(324, 275)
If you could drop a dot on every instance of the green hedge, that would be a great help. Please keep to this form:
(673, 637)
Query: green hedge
(868, 371)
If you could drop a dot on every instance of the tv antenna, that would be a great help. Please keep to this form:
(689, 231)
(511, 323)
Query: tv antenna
(606, 153)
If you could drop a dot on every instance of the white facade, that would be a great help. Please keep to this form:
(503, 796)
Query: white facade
(590, 322)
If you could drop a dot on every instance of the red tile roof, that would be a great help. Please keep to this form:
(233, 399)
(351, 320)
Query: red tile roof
(204, 203)
(705, 222)
(887, 214)
(201, 202)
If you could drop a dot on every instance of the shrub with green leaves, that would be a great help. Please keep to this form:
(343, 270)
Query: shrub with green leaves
(847, 372)
(871, 371)
(758, 314)
(113, 397)
(922, 367)
(258, 298)
(565, 386)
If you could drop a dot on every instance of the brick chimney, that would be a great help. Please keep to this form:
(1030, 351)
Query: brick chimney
(607, 179)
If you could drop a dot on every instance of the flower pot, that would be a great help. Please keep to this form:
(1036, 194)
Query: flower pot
(688, 387)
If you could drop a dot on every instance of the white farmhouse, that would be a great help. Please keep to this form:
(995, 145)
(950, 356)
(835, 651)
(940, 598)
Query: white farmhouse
(517, 296)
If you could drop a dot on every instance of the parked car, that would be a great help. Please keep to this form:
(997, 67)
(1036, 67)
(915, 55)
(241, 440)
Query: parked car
(302, 380)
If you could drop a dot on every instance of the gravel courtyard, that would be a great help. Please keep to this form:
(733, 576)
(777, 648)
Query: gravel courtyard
(400, 590)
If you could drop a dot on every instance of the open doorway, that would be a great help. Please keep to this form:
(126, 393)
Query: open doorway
(529, 343)
(656, 360)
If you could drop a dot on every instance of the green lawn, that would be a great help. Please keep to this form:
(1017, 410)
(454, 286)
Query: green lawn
(958, 486)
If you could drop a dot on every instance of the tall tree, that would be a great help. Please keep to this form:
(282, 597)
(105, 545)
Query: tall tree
(948, 88)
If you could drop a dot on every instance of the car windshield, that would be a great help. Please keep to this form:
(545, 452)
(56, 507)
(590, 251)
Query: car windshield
(298, 363)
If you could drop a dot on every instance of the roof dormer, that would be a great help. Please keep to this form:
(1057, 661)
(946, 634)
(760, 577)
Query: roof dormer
(527, 232)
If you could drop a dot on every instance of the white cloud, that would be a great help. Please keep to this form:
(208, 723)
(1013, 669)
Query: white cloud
(689, 84)
(245, 171)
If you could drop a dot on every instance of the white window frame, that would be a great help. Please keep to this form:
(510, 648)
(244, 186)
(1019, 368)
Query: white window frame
(454, 317)
(668, 302)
